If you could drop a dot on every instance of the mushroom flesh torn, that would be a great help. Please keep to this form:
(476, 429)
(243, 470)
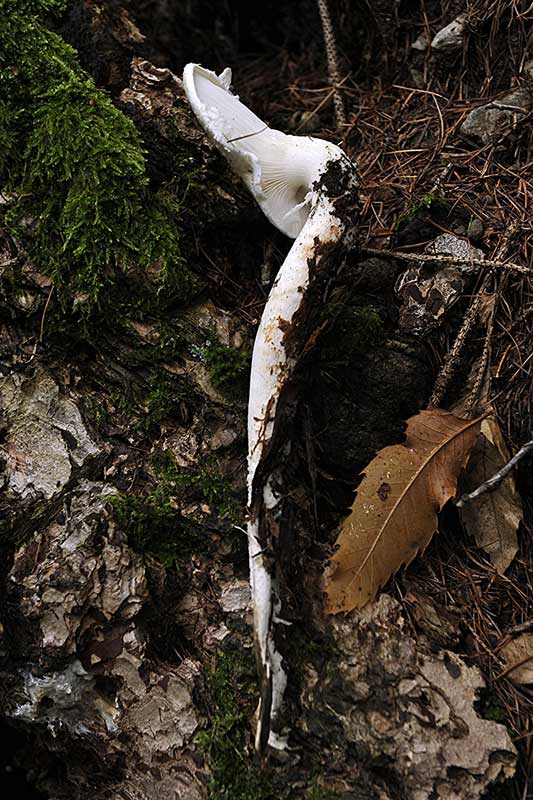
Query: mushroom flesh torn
(305, 186)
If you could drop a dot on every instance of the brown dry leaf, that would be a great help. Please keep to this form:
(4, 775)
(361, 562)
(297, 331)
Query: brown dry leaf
(493, 518)
(394, 514)
(518, 654)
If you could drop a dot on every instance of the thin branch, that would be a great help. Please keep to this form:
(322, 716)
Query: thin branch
(48, 299)
(451, 362)
(333, 62)
(491, 484)
(427, 258)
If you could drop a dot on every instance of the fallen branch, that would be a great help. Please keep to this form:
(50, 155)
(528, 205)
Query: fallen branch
(466, 262)
(451, 361)
(333, 62)
(491, 484)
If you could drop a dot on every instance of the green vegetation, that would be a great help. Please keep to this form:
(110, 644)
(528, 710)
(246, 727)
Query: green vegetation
(144, 409)
(424, 204)
(211, 487)
(366, 327)
(163, 394)
(153, 526)
(226, 743)
(73, 167)
(357, 329)
(152, 520)
(226, 364)
(489, 706)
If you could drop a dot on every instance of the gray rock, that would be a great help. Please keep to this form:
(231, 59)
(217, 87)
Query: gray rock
(427, 291)
(110, 582)
(475, 229)
(451, 37)
(420, 43)
(87, 678)
(449, 245)
(46, 438)
(235, 597)
(491, 120)
(396, 700)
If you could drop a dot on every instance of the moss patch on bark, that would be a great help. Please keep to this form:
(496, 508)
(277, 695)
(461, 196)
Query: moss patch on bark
(72, 168)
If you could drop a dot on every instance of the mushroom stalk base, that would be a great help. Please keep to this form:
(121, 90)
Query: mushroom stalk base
(274, 359)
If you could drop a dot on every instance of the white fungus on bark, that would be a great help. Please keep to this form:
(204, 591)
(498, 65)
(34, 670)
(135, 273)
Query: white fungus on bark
(284, 174)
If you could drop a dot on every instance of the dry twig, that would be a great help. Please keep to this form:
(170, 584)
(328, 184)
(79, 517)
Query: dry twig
(333, 62)
(491, 483)
(423, 258)
(451, 362)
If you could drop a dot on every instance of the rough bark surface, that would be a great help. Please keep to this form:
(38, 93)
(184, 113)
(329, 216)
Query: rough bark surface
(407, 712)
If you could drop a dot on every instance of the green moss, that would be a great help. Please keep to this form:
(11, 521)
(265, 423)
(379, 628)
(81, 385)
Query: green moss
(318, 792)
(417, 206)
(144, 412)
(211, 487)
(163, 396)
(73, 166)
(227, 742)
(367, 328)
(153, 526)
(357, 329)
(228, 367)
(124, 404)
(226, 364)
(172, 340)
(152, 519)
(489, 706)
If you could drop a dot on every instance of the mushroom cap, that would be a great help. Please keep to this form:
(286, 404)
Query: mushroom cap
(278, 169)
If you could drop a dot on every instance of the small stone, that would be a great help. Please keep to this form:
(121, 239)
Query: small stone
(428, 290)
(475, 230)
(421, 43)
(379, 722)
(148, 333)
(235, 597)
(450, 37)
(223, 437)
(448, 245)
(490, 120)
(417, 78)
(214, 636)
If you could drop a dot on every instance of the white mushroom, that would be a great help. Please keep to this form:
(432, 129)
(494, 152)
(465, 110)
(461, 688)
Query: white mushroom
(289, 177)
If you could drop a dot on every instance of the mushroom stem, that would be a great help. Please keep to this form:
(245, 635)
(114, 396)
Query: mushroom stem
(272, 365)
(291, 178)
